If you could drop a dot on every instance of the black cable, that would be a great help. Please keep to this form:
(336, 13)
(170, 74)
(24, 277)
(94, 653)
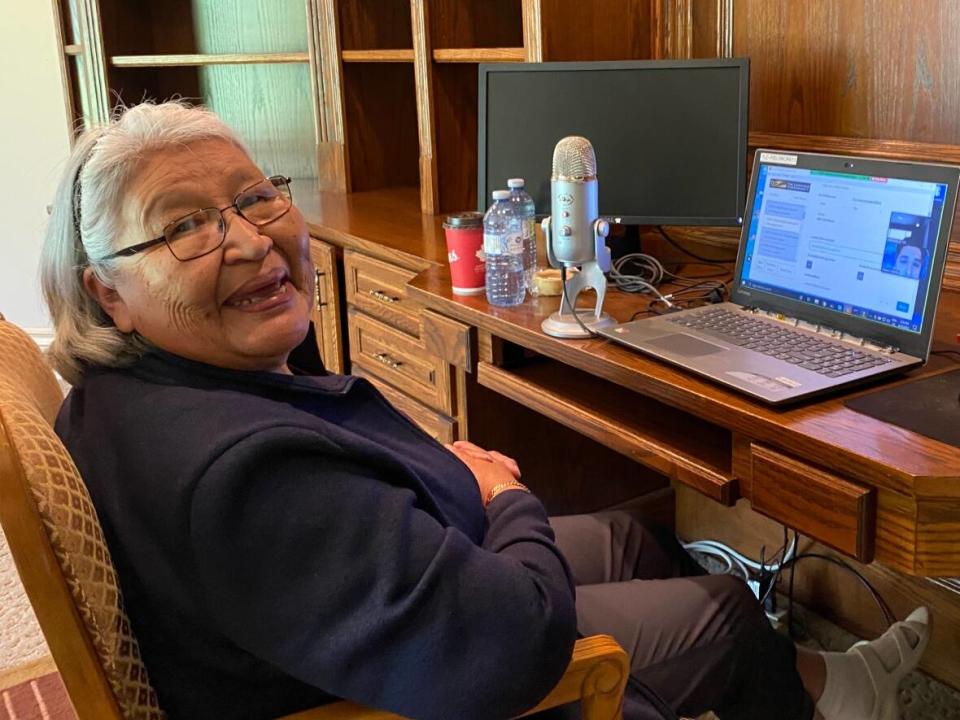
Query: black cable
(566, 299)
(946, 352)
(793, 565)
(651, 696)
(681, 248)
(782, 553)
(878, 598)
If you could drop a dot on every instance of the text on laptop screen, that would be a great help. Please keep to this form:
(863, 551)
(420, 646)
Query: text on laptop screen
(854, 244)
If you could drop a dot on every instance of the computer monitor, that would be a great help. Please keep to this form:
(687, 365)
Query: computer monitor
(670, 136)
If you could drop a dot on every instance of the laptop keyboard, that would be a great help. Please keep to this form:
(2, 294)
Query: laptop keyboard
(798, 348)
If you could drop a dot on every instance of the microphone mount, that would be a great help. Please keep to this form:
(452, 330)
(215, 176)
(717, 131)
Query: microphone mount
(567, 322)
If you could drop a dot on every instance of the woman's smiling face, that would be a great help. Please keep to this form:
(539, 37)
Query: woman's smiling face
(245, 305)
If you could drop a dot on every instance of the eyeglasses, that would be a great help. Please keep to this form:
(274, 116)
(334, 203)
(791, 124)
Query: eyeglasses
(203, 231)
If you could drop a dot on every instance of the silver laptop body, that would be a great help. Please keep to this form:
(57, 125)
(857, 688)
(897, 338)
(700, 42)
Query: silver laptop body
(837, 279)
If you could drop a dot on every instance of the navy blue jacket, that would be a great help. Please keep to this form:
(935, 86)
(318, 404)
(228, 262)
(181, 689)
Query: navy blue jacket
(282, 541)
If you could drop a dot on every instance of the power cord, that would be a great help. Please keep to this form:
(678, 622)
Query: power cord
(566, 300)
(888, 615)
(641, 273)
(947, 352)
(695, 256)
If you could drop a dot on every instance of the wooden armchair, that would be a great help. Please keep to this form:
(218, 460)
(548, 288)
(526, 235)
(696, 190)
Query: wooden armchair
(58, 546)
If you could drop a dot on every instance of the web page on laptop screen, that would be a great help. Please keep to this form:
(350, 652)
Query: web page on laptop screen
(853, 244)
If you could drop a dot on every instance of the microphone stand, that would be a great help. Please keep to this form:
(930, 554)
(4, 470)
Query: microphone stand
(567, 322)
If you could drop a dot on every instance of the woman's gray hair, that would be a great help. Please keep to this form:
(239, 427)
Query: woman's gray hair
(86, 225)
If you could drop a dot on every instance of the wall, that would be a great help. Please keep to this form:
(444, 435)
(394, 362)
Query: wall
(34, 142)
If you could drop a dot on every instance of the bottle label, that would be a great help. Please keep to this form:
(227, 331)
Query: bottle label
(507, 244)
(528, 231)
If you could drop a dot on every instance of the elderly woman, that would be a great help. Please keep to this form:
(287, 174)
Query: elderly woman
(284, 537)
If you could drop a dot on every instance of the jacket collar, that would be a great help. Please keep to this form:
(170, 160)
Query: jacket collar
(304, 361)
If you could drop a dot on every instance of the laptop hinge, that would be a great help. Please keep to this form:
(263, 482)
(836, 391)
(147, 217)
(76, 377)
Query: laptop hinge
(830, 332)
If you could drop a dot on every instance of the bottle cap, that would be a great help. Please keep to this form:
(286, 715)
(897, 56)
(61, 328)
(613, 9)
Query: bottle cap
(515, 183)
(469, 219)
(501, 194)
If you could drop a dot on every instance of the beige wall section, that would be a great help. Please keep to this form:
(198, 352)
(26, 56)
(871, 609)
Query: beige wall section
(34, 142)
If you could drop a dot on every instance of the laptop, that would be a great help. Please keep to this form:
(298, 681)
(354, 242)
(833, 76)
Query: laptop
(837, 279)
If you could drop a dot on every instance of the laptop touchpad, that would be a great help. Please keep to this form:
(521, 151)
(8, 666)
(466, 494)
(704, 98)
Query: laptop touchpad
(685, 345)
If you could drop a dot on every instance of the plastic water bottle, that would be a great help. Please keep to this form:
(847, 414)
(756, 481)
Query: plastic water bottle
(523, 205)
(503, 248)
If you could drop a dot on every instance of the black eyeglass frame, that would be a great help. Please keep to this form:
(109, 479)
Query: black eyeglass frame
(147, 244)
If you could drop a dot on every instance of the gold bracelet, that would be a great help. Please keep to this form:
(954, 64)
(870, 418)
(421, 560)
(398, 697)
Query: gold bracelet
(503, 487)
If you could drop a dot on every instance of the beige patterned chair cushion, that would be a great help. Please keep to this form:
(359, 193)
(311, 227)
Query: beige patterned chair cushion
(70, 520)
(21, 360)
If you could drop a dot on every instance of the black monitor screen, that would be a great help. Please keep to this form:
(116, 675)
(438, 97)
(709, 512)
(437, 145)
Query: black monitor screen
(670, 136)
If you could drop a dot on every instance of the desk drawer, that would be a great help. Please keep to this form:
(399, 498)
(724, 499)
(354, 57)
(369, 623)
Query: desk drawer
(440, 427)
(400, 360)
(380, 289)
(818, 503)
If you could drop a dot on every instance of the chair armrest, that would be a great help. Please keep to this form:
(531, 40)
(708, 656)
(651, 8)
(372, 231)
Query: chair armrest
(596, 676)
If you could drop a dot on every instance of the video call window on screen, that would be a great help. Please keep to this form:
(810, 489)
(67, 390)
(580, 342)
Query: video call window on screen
(907, 250)
(850, 243)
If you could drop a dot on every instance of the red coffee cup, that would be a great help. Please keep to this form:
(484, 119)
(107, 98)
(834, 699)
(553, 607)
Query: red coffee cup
(468, 266)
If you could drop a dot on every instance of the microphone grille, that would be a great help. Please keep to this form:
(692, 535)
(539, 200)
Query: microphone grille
(574, 159)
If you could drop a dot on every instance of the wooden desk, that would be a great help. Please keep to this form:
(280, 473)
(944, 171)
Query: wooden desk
(865, 487)
(692, 431)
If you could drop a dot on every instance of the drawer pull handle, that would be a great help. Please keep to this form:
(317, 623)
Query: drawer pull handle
(388, 361)
(383, 297)
(320, 303)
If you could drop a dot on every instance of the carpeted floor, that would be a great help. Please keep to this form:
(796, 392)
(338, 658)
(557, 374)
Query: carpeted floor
(20, 638)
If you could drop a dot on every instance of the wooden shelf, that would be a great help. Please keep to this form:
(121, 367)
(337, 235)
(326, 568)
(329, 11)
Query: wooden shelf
(382, 56)
(479, 55)
(670, 441)
(198, 60)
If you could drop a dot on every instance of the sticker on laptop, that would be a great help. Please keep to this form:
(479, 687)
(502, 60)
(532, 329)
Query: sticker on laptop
(778, 158)
(768, 383)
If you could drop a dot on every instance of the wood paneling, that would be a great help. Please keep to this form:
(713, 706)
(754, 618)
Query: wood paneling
(271, 106)
(375, 24)
(828, 73)
(860, 68)
(476, 23)
(252, 26)
(598, 30)
(131, 85)
(455, 114)
(381, 125)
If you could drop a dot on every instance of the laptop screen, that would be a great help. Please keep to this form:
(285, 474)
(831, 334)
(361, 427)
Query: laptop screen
(857, 244)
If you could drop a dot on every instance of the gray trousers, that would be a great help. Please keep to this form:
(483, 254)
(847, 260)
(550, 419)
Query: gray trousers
(699, 641)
